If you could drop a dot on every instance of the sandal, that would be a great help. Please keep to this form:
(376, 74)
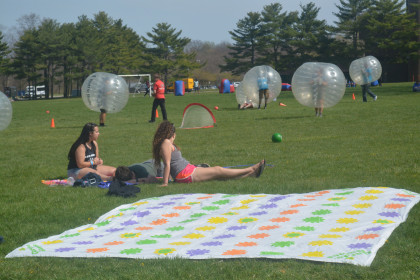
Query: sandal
(260, 169)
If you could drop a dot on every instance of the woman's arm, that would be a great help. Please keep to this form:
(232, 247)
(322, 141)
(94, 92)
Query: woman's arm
(80, 157)
(97, 160)
(166, 151)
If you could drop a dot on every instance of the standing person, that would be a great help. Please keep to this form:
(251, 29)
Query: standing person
(159, 94)
(318, 86)
(147, 88)
(84, 156)
(367, 79)
(182, 171)
(103, 101)
(102, 117)
(263, 90)
(196, 86)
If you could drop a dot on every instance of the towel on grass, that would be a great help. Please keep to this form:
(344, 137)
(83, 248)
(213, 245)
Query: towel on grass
(341, 225)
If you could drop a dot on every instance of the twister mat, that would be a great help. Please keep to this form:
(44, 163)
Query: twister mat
(342, 225)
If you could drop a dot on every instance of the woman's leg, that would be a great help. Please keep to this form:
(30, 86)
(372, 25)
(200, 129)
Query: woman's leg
(219, 173)
(106, 172)
(266, 98)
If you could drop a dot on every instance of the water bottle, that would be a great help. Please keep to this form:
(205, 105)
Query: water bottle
(70, 181)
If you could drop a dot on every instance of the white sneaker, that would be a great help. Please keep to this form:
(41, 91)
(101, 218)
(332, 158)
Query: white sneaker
(376, 97)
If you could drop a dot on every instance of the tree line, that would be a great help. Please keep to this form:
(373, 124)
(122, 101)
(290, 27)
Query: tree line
(285, 40)
(50, 53)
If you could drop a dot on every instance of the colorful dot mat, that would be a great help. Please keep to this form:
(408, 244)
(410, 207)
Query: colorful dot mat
(342, 226)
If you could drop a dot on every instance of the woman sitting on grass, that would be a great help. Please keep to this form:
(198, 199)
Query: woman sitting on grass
(84, 156)
(182, 171)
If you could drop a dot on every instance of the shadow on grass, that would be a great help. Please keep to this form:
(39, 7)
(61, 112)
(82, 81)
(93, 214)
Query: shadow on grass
(282, 118)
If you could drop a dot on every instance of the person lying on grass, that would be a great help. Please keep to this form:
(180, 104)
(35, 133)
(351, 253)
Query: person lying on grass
(145, 172)
(84, 156)
(182, 171)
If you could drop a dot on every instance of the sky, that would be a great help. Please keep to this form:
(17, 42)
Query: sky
(209, 20)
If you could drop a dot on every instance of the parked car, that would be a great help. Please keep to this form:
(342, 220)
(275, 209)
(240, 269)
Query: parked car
(32, 90)
(40, 91)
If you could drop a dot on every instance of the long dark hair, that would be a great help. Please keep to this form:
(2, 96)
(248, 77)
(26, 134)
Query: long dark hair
(83, 138)
(164, 131)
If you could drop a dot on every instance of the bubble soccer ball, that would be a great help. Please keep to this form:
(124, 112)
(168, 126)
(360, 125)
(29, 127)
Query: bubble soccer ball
(5, 111)
(248, 90)
(105, 91)
(317, 84)
(365, 70)
(276, 138)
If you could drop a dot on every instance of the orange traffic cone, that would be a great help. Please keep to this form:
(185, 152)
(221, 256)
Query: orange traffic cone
(354, 98)
(52, 123)
(157, 114)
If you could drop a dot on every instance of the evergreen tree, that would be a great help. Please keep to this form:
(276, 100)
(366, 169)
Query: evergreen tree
(350, 21)
(390, 33)
(312, 40)
(165, 48)
(49, 52)
(86, 44)
(68, 54)
(4, 52)
(277, 31)
(27, 60)
(246, 37)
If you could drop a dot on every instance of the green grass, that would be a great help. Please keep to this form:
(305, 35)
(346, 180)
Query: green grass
(355, 144)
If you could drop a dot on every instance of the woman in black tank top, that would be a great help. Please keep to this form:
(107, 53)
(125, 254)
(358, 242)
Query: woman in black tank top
(84, 155)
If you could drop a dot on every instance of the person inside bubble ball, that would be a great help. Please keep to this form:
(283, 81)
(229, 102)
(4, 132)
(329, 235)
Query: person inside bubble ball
(318, 86)
(164, 149)
(103, 101)
(367, 79)
(262, 89)
(84, 155)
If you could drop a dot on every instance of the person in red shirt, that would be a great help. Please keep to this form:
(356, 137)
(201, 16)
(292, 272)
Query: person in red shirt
(159, 94)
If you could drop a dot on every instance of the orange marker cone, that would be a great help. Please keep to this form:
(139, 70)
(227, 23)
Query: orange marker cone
(354, 98)
(52, 123)
(157, 114)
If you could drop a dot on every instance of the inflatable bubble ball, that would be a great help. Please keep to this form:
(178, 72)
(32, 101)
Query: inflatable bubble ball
(5, 111)
(259, 76)
(105, 91)
(365, 70)
(318, 85)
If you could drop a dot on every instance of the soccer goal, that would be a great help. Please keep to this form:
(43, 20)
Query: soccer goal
(139, 84)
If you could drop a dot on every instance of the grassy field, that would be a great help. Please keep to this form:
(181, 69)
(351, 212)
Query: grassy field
(355, 144)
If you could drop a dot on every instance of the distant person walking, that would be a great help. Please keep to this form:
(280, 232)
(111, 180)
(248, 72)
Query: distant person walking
(196, 86)
(159, 94)
(367, 79)
(147, 88)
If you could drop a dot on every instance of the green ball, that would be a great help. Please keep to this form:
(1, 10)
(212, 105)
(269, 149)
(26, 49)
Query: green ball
(276, 138)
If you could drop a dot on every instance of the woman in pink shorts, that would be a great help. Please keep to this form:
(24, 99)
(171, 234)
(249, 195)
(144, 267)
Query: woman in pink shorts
(182, 171)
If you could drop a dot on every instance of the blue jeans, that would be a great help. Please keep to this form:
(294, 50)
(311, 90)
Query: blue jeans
(366, 89)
